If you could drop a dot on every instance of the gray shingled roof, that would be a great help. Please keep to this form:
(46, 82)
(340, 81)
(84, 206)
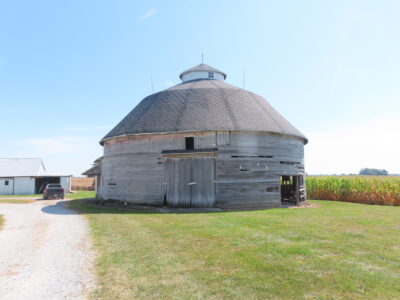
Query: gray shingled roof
(202, 67)
(201, 105)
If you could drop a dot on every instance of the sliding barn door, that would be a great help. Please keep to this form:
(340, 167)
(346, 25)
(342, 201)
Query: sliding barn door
(190, 181)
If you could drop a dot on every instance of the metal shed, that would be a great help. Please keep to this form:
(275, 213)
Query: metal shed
(27, 176)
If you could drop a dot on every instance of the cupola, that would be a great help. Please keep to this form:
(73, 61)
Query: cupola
(202, 71)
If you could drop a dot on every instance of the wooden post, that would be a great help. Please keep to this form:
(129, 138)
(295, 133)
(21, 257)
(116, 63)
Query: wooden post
(297, 189)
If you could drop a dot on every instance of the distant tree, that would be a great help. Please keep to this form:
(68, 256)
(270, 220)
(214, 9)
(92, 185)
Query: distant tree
(368, 171)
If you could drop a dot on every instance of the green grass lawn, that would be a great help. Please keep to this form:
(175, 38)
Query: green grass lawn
(81, 195)
(19, 196)
(16, 201)
(14, 198)
(1, 221)
(335, 251)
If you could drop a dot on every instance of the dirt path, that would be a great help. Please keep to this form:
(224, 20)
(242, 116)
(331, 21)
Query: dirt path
(44, 252)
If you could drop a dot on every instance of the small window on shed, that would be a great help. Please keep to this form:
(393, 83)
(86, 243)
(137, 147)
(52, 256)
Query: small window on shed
(6, 182)
(189, 143)
(210, 74)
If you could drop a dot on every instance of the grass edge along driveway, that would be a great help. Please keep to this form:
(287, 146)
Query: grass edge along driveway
(24, 199)
(336, 251)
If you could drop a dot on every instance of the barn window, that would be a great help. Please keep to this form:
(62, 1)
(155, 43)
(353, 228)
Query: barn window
(189, 143)
(290, 163)
(6, 182)
(262, 156)
(210, 74)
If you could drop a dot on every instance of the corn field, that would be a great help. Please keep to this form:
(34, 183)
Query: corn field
(382, 190)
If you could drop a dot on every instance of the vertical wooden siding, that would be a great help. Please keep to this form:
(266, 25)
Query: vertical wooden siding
(246, 165)
(249, 169)
(190, 181)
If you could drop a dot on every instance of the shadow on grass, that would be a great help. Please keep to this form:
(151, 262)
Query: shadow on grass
(92, 206)
(60, 208)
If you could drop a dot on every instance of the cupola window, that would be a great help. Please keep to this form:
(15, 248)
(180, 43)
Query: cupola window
(210, 74)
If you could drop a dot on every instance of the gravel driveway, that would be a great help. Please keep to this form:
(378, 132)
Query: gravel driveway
(45, 252)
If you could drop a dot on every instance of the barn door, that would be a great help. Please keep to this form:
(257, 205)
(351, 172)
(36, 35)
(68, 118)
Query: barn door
(190, 181)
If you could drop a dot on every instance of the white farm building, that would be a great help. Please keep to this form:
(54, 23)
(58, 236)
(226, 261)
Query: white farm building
(27, 176)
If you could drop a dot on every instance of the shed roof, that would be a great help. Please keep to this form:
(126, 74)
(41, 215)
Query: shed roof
(202, 105)
(12, 167)
(94, 170)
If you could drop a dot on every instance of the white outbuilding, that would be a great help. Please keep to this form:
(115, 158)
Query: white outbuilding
(26, 176)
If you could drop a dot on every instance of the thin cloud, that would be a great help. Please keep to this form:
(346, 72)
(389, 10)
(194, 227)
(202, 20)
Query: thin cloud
(89, 128)
(61, 154)
(55, 145)
(371, 144)
(147, 15)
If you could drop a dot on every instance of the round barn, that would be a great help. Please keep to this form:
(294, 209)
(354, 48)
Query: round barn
(202, 143)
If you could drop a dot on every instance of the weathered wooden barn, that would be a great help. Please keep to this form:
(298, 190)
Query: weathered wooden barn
(202, 143)
(26, 176)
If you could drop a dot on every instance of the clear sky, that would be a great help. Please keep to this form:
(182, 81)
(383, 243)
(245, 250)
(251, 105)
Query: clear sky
(71, 70)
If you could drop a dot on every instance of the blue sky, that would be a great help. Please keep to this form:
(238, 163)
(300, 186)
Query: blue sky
(70, 70)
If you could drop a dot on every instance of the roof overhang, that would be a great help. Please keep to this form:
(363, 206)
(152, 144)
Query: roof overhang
(95, 170)
(301, 138)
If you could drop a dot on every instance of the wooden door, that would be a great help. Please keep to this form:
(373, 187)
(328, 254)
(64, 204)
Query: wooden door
(190, 181)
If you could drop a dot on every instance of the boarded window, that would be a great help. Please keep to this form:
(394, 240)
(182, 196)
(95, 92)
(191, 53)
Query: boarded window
(223, 138)
(290, 163)
(189, 143)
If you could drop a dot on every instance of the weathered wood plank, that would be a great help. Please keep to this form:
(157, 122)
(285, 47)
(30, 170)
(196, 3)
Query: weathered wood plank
(133, 168)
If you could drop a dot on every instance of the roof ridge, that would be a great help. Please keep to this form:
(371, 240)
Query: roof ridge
(228, 107)
(265, 110)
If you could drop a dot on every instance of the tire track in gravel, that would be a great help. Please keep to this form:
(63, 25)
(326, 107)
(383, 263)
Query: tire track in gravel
(45, 252)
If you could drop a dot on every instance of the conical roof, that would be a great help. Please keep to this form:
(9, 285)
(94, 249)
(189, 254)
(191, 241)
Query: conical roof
(202, 105)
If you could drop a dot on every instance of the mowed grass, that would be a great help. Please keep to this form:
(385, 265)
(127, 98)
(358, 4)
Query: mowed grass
(81, 195)
(1, 221)
(20, 196)
(18, 199)
(335, 251)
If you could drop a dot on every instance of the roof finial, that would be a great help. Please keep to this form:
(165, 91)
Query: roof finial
(202, 58)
